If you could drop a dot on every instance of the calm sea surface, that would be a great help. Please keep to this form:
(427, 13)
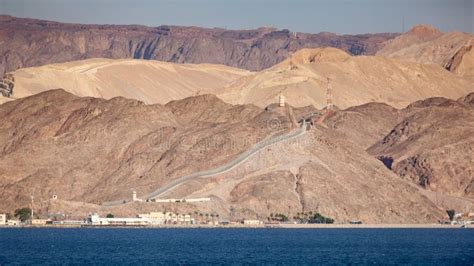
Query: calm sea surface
(237, 246)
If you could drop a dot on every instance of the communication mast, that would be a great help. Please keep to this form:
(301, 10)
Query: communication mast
(329, 103)
(291, 62)
(290, 57)
(32, 206)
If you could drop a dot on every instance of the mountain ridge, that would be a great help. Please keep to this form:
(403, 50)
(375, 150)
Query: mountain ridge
(427, 45)
(302, 79)
(32, 42)
(89, 151)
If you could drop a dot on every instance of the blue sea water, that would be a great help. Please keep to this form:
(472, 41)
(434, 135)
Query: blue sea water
(236, 246)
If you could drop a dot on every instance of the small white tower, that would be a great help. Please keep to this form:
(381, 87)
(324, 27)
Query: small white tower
(281, 100)
(134, 196)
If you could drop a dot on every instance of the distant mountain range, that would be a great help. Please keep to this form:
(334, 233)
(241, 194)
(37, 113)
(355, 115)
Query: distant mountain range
(31, 42)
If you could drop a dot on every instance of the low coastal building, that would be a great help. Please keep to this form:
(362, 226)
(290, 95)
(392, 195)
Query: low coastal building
(69, 222)
(40, 221)
(152, 218)
(95, 219)
(252, 222)
(13, 222)
(224, 222)
(3, 219)
(180, 200)
(167, 218)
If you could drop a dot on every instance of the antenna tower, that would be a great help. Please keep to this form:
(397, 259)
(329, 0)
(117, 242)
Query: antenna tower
(32, 205)
(329, 104)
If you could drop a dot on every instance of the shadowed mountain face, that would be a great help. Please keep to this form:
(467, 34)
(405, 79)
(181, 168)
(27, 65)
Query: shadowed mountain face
(434, 146)
(30, 42)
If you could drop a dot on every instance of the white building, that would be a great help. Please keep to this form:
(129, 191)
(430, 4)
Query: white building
(68, 222)
(252, 222)
(40, 221)
(167, 218)
(3, 219)
(181, 200)
(152, 218)
(95, 219)
(13, 222)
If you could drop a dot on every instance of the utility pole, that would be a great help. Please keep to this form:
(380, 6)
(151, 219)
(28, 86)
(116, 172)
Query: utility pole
(291, 59)
(329, 103)
(32, 205)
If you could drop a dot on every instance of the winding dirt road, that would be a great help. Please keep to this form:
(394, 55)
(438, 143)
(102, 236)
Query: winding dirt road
(224, 168)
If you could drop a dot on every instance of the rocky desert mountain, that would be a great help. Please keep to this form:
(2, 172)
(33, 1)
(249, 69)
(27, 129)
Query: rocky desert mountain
(302, 79)
(425, 44)
(99, 111)
(30, 42)
(430, 142)
(89, 151)
(147, 80)
(355, 80)
(433, 146)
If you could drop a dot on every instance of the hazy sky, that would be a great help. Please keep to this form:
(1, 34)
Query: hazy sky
(339, 16)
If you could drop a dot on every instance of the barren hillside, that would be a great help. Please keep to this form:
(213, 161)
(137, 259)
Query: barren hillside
(146, 80)
(433, 146)
(430, 142)
(302, 79)
(89, 150)
(365, 124)
(425, 44)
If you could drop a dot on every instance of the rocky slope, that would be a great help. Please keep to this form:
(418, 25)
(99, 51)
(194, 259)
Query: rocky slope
(433, 146)
(462, 62)
(425, 44)
(365, 124)
(89, 150)
(430, 142)
(30, 42)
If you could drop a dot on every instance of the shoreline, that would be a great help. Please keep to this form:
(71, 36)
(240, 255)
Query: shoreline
(262, 226)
